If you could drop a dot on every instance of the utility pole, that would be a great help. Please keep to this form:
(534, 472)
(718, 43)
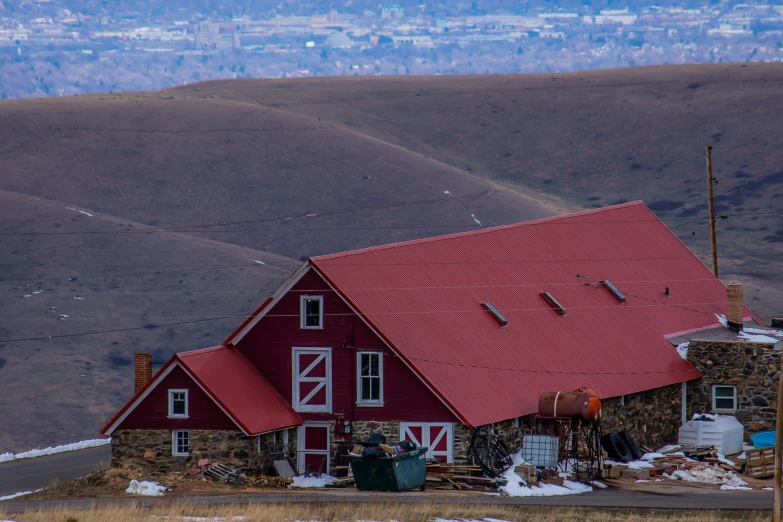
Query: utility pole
(711, 203)
(778, 446)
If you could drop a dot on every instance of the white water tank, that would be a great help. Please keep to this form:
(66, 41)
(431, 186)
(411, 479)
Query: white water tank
(722, 431)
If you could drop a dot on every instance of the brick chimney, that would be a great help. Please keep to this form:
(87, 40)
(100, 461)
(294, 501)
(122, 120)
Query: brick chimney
(734, 295)
(143, 370)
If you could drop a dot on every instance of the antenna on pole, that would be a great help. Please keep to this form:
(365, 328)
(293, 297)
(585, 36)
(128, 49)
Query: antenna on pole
(711, 204)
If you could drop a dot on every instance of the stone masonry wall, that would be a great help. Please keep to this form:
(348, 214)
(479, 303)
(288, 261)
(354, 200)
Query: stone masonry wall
(151, 449)
(652, 418)
(751, 367)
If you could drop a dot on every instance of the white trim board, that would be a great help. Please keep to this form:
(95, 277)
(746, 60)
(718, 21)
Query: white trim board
(282, 291)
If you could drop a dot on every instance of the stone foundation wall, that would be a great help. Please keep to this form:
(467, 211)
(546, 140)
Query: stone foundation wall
(751, 367)
(652, 417)
(151, 449)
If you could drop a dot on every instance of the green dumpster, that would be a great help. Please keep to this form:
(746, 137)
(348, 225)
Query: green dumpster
(403, 472)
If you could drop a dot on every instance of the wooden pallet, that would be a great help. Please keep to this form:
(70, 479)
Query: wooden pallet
(223, 473)
(760, 463)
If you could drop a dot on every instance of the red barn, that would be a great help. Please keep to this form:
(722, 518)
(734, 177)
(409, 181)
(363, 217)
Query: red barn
(426, 339)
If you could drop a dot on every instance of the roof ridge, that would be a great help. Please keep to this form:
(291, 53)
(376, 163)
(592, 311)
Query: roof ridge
(473, 232)
(199, 351)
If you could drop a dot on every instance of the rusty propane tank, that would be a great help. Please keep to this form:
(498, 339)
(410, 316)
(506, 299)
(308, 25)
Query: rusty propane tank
(581, 404)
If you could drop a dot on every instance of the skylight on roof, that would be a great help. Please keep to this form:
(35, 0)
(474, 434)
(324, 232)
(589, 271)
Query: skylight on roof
(617, 293)
(551, 300)
(496, 314)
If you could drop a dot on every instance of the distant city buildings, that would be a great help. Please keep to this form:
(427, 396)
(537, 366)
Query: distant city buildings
(388, 40)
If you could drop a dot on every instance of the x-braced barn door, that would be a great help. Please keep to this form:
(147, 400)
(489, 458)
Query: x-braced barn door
(312, 379)
(437, 436)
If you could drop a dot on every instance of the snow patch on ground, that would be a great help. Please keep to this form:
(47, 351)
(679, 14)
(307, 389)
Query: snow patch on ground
(313, 482)
(467, 520)
(636, 464)
(77, 210)
(682, 349)
(706, 474)
(516, 487)
(145, 488)
(20, 494)
(91, 443)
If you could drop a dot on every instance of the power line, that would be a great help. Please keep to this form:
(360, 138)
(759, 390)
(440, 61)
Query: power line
(116, 330)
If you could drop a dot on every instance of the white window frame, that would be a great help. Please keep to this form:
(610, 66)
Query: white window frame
(715, 397)
(175, 448)
(303, 311)
(171, 404)
(297, 400)
(362, 402)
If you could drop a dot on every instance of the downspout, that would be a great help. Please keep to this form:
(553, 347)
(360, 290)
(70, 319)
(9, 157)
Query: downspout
(684, 403)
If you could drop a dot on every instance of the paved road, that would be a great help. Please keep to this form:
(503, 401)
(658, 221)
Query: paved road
(37, 473)
(707, 500)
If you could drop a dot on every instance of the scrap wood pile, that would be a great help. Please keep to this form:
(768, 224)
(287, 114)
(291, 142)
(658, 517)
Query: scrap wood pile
(452, 476)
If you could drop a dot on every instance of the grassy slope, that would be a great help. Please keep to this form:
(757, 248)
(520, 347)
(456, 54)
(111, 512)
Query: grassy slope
(63, 389)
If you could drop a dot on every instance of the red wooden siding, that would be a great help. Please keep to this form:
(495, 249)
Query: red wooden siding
(269, 347)
(152, 413)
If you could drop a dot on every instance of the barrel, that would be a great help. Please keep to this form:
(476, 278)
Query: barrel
(582, 404)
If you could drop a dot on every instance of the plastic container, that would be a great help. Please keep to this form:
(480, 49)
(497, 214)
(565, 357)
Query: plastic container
(764, 439)
(540, 450)
(403, 472)
(722, 431)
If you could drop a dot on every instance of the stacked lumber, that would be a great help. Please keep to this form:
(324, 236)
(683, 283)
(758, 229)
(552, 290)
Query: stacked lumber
(452, 476)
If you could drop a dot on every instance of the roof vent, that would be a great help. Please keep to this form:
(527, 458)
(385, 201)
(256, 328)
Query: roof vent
(495, 313)
(560, 308)
(618, 294)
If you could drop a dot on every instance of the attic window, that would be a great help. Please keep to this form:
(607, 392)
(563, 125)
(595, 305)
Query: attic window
(496, 314)
(312, 312)
(617, 293)
(552, 301)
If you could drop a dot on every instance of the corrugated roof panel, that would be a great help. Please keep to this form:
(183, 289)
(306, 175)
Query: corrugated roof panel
(425, 298)
(232, 380)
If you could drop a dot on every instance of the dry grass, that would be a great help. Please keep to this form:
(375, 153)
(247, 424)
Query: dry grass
(413, 512)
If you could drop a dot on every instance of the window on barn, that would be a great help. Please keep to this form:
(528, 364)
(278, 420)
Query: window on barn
(724, 397)
(178, 404)
(370, 377)
(180, 443)
(312, 311)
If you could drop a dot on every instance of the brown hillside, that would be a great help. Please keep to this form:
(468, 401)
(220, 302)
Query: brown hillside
(63, 389)
(305, 167)
(590, 139)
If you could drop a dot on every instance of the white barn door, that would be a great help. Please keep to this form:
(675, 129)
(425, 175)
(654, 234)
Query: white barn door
(438, 437)
(312, 379)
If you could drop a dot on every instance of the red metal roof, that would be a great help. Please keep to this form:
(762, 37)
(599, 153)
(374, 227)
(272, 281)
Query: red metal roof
(425, 299)
(238, 387)
(233, 383)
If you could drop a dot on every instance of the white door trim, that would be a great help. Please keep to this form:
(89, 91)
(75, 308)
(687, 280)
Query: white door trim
(301, 450)
(299, 376)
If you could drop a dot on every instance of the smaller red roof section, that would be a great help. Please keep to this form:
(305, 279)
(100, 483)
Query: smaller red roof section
(233, 383)
(238, 387)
